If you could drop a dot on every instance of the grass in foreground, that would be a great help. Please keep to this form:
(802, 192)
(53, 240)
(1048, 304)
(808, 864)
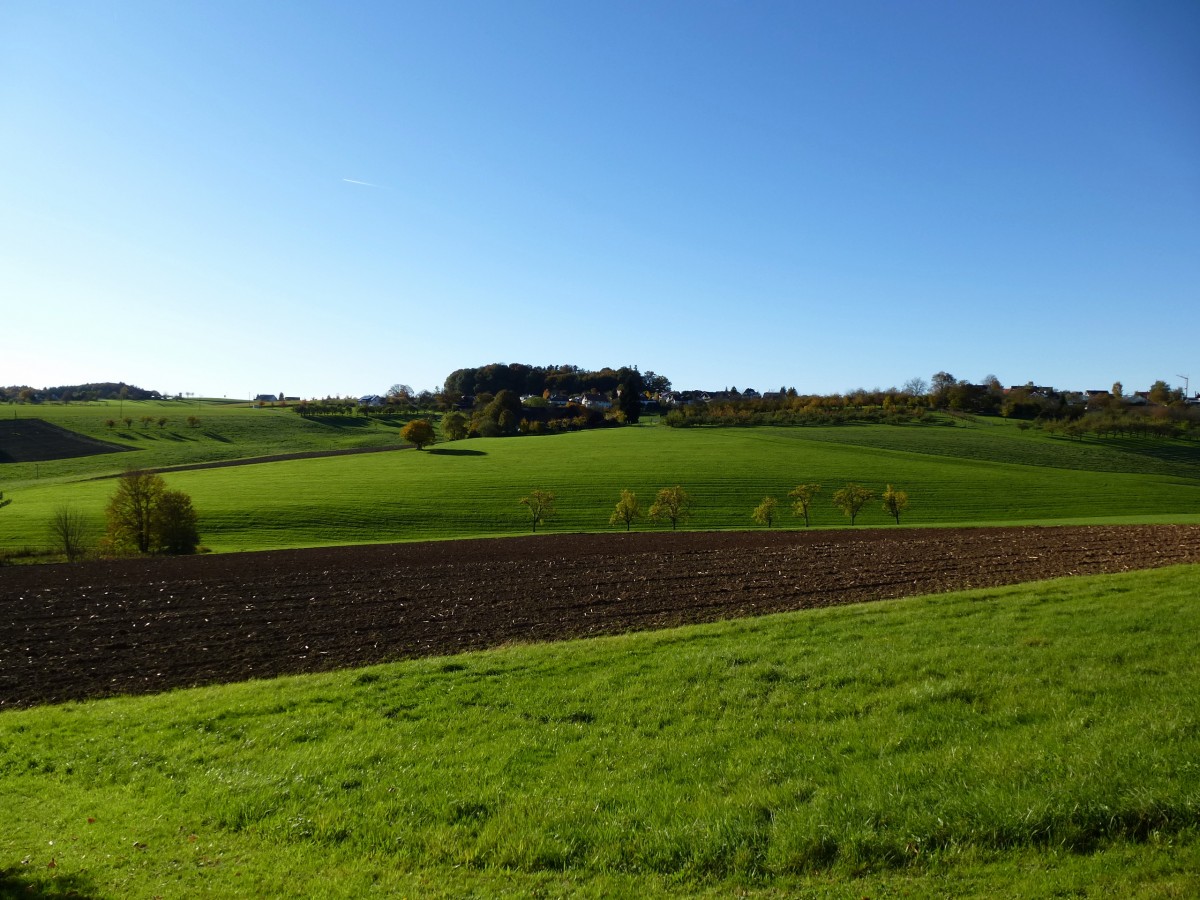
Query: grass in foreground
(1028, 741)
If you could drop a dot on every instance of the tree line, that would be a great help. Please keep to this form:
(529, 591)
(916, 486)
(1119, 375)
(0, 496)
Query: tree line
(527, 380)
(1160, 412)
(76, 393)
(674, 505)
(799, 410)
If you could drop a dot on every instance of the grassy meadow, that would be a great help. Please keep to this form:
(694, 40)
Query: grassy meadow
(1029, 741)
(224, 430)
(991, 472)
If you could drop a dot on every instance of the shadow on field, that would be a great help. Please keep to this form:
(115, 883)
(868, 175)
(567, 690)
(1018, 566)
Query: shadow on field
(341, 421)
(28, 881)
(1172, 453)
(458, 452)
(218, 437)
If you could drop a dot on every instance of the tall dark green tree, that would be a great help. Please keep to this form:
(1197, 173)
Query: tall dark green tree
(629, 402)
(174, 524)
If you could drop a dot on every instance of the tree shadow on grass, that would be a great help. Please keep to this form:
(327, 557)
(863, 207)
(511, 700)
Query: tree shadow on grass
(30, 881)
(1169, 453)
(447, 452)
(217, 437)
(341, 421)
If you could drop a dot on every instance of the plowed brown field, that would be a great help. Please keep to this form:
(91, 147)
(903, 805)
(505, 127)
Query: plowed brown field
(138, 626)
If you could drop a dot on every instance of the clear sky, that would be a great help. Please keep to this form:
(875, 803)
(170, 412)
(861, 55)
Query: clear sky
(233, 197)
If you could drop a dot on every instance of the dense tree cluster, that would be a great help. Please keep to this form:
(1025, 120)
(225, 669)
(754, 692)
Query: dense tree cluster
(76, 393)
(798, 409)
(505, 414)
(330, 406)
(525, 380)
(144, 516)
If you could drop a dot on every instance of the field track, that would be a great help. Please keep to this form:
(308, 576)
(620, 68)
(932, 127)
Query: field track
(103, 628)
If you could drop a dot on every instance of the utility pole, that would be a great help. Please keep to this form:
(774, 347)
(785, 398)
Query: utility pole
(1186, 385)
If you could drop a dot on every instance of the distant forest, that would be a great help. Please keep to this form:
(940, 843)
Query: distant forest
(67, 393)
(565, 379)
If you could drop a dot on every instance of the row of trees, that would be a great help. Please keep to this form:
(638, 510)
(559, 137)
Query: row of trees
(1161, 412)
(798, 411)
(1155, 422)
(1030, 401)
(850, 500)
(670, 504)
(674, 505)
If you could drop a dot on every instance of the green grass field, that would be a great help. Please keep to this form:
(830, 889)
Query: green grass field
(225, 430)
(1030, 741)
(990, 474)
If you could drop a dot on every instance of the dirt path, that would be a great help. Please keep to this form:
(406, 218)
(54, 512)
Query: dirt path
(138, 626)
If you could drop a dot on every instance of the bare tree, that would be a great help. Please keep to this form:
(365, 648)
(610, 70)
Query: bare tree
(69, 532)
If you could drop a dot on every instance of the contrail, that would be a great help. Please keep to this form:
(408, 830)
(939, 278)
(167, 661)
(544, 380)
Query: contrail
(363, 183)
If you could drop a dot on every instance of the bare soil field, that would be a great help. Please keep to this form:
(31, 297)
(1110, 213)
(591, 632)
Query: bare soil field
(34, 440)
(95, 629)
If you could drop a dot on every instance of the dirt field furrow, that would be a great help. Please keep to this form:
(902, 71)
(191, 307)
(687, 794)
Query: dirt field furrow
(135, 626)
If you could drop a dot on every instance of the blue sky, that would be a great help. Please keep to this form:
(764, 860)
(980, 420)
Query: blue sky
(233, 198)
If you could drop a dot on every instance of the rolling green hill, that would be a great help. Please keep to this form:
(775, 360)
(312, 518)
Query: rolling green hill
(988, 474)
(192, 432)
